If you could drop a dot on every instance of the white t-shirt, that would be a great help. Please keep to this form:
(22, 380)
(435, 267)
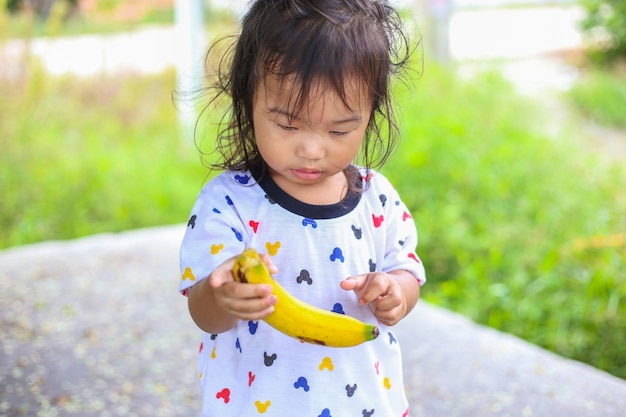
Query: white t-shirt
(253, 369)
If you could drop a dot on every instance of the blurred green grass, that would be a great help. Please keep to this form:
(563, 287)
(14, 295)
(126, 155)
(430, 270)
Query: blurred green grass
(600, 95)
(520, 229)
(91, 155)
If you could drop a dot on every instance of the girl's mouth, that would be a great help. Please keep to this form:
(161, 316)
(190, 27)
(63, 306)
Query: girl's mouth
(307, 174)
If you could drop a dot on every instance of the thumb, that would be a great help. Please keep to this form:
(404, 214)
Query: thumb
(222, 274)
(219, 278)
(267, 260)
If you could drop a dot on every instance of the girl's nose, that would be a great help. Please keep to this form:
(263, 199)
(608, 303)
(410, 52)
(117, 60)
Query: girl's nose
(310, 146)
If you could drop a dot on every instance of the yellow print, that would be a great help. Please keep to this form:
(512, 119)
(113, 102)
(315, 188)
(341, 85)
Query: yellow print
(272, 249)
(262, 407)
(188, 274)
(215, 249)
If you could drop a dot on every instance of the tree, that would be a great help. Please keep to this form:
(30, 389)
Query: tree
(605, 23)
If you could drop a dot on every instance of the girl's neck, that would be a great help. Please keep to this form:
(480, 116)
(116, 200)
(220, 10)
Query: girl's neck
(317, 203)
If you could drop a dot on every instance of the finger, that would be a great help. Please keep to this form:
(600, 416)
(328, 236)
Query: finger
(389, 309)
(267, 260)
(253, 308)
(246, 301)
(220, 277)
(245, 291)
(388, 319)
(222, 274)
(374, 291)
(385, 303)
(354, 283)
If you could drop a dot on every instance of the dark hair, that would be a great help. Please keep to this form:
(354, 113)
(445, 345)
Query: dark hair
(312, 41)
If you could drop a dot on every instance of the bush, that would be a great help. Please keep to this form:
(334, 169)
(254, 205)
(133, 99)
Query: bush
(520, 231)
(605, 24)
(88, 156)
(601, 96)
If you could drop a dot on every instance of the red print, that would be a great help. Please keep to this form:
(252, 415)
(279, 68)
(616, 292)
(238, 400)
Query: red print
(378, 220)
(414, 257)
(405, 216)
(369, 176)
(254, 225)
(251, 378)
(224, 394)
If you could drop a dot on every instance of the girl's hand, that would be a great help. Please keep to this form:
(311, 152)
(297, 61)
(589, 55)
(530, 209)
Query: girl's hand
(242, 300)
(384, 293)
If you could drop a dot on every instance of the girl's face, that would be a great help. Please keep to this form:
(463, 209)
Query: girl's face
(306, 153)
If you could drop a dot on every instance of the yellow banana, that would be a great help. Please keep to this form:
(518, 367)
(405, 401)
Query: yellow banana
(297, 318)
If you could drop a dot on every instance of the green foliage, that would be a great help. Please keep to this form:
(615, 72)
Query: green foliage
(108, 5)
(520, 231)
(605, 24)
(601, 96)
(160, 16)
(87, 156)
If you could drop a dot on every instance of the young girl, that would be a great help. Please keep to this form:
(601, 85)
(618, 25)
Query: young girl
(309, 84)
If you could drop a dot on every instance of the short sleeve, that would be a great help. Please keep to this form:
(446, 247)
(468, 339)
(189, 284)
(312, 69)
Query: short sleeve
(402, 238)
(214, 234)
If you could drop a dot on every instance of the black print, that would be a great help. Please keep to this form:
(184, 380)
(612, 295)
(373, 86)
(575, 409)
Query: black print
(372, 266)
(192, 221)
(304, 277)
(350, 390)
(269, 359)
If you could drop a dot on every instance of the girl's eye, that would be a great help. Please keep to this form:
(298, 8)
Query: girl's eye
(337, 133)
(287, 127)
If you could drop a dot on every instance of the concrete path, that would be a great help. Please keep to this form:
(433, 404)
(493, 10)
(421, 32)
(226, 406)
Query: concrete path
(95, 327)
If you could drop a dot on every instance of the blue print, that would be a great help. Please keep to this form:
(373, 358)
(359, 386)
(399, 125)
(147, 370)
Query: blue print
(252, 326)
(302, 383)
(242, 179)
(337, 254)
(338, 308)
(307, 221)
(237, 234)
